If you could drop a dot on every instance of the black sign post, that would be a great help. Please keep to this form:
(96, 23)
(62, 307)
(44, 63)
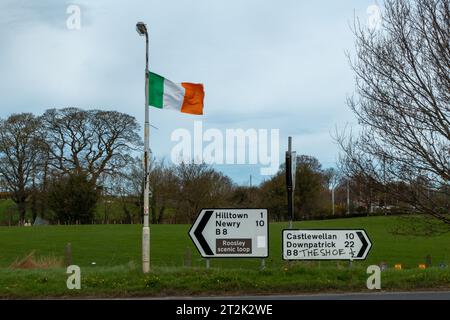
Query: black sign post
(289, 182)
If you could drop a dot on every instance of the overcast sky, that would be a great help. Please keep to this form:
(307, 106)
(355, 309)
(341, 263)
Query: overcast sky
(272, 64)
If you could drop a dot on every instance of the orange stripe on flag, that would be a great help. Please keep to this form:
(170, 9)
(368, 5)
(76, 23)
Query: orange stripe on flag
(193, 98)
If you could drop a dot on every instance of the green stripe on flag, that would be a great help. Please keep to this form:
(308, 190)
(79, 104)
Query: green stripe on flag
(155, 90)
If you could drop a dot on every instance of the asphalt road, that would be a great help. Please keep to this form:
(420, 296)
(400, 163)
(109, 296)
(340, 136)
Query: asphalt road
(424, 295)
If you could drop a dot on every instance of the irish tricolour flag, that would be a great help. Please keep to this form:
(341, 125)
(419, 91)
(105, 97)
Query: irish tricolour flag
(185, 97)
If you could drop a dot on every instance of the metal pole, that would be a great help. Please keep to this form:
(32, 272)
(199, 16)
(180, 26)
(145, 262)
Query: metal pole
(290, 209)
(146, 228)
(292, 185)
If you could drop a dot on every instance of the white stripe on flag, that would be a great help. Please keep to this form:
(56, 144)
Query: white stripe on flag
(173, 95)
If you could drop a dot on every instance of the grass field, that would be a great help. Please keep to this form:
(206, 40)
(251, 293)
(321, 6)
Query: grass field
(113, 245)
(115, 249)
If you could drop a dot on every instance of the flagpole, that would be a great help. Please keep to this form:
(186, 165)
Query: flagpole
(142, 30)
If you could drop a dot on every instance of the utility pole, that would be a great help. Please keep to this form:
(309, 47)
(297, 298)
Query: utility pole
(250, 181)
(141, 28)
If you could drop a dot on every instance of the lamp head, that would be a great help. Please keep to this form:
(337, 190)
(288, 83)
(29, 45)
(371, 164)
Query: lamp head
(141, 28)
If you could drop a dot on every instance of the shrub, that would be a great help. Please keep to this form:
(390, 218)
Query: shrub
(73, 198)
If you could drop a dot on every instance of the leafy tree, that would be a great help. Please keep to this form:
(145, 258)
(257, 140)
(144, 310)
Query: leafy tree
(309, 185)
(73, 198)
(310, 194)
(244, 196)
(273, 196)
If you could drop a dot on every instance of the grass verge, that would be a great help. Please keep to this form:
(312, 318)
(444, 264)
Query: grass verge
(127, 281)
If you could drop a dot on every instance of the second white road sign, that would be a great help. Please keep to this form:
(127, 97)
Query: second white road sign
(231, 233)
(325, 244)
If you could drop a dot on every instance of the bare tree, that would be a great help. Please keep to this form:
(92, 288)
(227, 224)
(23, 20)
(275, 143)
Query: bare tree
(40, 179)
(402, 83)
(163, 189)
(97, 142)
(332, 178)
(126, 186)
(20, 146)
(200, 185)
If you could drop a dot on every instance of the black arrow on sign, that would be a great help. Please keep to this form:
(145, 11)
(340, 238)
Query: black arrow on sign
(199, 232)
(365, 244)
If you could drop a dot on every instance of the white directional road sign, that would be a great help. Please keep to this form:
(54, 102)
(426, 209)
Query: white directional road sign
(325, 244)
(231, 233)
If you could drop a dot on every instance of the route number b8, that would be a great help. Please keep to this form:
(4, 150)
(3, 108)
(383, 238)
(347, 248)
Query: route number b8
(224, 232)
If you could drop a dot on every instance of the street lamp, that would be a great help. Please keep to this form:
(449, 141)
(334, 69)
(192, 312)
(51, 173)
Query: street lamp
(141, 28)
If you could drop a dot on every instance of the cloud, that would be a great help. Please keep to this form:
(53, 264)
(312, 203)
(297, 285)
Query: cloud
(264, 64)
